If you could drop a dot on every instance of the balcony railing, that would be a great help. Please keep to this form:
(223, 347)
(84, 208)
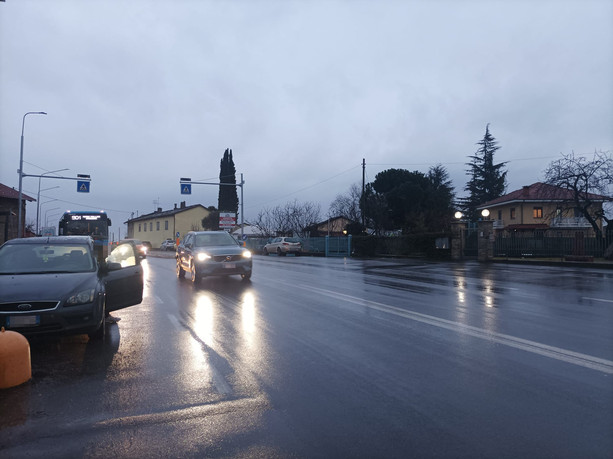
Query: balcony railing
(574, 222)
(557, 222)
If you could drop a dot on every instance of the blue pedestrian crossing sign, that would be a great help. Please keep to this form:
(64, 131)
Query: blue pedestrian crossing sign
(82, 186)
(186, 188)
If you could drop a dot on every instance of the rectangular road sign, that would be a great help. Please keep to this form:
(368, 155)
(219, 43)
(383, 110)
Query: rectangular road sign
(186, 188)
(227, 220)
(82, 186)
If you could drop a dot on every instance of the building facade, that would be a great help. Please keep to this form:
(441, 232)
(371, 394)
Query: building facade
(9, 211)
(160, 225)
(541, 209)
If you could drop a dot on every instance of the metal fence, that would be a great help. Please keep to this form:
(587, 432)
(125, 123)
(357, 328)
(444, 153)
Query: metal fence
(551, 247)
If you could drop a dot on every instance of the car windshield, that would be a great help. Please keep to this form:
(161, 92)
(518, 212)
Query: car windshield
(45, 258)
(213, 240)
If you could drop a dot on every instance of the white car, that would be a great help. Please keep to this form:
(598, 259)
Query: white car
(283, 245)
(168, 244)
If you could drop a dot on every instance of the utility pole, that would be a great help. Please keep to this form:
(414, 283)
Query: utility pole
(363, 190)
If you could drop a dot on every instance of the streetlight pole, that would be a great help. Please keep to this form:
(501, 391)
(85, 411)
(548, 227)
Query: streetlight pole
(38, 195)
(47, 211)
(38, 204)
(23, 123)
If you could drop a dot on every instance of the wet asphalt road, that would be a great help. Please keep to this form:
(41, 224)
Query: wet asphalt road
(333, 358)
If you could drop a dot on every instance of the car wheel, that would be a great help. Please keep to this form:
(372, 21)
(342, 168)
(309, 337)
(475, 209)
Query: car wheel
(246, 276)
(264, 251)
(180, 270)
(195, 278)
(100, 333)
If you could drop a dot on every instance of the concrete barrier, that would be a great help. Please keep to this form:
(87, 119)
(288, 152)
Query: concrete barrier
(15, 365)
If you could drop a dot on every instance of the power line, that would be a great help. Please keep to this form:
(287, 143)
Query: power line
(307, 187)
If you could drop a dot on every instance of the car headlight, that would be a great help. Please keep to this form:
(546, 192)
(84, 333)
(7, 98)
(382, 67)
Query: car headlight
(84, 297)
(246, 254)
(203, 256)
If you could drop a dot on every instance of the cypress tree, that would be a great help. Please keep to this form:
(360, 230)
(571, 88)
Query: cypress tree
(228, 197)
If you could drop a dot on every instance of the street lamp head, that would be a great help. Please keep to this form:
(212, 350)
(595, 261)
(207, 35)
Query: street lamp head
(458, 215)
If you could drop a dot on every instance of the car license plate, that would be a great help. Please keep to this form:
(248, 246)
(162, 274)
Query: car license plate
(229, 265)
(22, 321)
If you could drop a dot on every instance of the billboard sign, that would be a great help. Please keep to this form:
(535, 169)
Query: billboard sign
(227, 220)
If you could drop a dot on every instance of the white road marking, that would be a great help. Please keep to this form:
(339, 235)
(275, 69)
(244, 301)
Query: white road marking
(597, 299)
(576, 358)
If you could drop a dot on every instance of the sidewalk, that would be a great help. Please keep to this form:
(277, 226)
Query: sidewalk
(600, 263)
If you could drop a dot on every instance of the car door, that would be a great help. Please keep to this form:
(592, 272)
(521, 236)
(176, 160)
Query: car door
(124, 285)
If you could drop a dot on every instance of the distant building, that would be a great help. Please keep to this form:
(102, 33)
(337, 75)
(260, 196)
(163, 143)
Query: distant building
(9, 211)
(541, 209)
(333, 226)
(247, 231)
(165, 224)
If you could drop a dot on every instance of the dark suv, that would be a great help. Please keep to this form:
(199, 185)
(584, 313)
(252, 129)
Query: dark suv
(212, 253)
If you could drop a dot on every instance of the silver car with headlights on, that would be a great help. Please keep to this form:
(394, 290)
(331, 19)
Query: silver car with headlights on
(212, 253)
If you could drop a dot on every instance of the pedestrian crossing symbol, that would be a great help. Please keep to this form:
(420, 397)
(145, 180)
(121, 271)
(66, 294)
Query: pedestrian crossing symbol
(186, 188)
(82, 186)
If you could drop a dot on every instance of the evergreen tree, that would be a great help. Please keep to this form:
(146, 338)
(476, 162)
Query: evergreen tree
(211, 221)
(228, 197)
(487, 180)
(411, 201)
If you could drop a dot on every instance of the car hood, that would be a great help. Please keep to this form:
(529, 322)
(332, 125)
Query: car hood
(32, 287)
(221, 250)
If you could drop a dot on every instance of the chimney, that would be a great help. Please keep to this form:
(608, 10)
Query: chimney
(175, 205)
(182, 204)
(159, 210)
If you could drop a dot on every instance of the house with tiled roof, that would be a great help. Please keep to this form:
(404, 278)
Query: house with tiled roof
(540, 208)
(9, 211)
(166, 224)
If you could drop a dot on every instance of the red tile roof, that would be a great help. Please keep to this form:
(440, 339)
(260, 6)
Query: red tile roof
(12, 193)
(539, 192)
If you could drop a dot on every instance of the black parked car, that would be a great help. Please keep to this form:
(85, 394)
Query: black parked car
(212, 253)
(52, 285)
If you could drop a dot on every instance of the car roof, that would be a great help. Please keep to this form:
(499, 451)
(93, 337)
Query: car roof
(208, 232)
(52, 240)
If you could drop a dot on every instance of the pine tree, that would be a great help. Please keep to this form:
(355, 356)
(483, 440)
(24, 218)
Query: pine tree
(228, 197)
(488, 180)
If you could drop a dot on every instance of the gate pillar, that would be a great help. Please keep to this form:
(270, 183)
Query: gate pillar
(457, 240)
(485, 244)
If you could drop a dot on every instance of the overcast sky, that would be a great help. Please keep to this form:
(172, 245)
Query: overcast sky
(141, 93)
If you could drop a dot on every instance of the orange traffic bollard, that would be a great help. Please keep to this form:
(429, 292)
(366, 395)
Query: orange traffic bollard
(15, 366)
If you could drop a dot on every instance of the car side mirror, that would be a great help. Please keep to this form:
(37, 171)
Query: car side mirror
(105, 266)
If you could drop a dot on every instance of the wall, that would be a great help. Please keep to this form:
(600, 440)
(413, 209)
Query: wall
(524, 213)
(190, 220)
